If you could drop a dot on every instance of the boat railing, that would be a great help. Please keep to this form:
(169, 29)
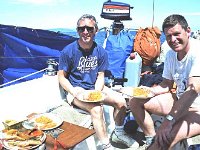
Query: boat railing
(51, 70)
(26, 76)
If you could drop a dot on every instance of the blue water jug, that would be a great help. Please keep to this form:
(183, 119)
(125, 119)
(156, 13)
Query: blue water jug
(133, 70)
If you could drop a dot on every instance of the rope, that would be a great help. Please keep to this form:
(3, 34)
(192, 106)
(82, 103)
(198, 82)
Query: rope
(29, 57)
(22, 77)
(153, 15)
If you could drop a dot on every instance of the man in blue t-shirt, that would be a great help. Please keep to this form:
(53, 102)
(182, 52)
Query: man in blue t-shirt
(81, 67)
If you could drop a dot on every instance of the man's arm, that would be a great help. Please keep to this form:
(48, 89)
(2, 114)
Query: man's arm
(164, 87)
(99, 84)
(64, 82)
(181, 107)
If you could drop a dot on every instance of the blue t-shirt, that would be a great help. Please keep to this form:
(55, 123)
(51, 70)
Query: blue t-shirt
(83, 67)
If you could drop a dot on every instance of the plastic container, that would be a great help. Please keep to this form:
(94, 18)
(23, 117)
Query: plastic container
(133, 70)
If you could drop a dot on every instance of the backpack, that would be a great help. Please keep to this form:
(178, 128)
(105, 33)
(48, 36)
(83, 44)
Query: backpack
(147, 44)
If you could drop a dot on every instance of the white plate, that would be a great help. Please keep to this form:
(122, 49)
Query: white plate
(55, 118)
(144, 97)
(10, 147)
(129, 91)
(85, 95)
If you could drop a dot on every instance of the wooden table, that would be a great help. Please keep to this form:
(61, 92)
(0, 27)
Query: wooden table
(72, 135)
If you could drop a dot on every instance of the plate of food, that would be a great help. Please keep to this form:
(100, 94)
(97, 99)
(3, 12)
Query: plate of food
(141, 92)
(45, 121)
(92, 96)
(22, 139)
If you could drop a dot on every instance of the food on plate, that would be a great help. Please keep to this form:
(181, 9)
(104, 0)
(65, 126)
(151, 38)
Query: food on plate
(10, 131)
(35, 133)
(43, 119)
(21, 134)
(141, 92)
(45, 122)
(95, 96)
(22, 138)
(24, 144)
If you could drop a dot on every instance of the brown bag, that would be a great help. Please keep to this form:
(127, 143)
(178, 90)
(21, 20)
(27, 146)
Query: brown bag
(147, 44)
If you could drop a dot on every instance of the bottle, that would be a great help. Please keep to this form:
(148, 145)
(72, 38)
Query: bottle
(133, 70)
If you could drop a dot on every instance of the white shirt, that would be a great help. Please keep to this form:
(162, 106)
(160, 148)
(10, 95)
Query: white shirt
(181, 71)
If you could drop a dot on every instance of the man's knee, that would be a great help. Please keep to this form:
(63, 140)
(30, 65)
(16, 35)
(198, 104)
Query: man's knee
(96, 111)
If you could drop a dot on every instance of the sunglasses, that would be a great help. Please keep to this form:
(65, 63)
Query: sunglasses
(82, 29)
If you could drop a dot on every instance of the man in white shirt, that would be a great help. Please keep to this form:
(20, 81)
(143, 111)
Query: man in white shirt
(181, 110)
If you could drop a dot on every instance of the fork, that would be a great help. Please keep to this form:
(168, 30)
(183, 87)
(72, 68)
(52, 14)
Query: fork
(1, 145)
(55, 133)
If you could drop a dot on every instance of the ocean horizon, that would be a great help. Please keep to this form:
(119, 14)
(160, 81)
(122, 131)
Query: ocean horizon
(101, 35)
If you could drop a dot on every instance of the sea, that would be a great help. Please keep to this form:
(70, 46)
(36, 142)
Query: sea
(101, 36)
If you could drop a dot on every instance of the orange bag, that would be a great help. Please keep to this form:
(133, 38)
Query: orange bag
(147, 44)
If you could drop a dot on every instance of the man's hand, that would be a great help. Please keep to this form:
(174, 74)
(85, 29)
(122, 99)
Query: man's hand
(163, 135)
(78, 93)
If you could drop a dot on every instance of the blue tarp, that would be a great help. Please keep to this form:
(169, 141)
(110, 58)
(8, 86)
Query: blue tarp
(118, 48)
(26, 50)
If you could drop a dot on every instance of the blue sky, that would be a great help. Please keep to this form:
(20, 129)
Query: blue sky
(47, 14)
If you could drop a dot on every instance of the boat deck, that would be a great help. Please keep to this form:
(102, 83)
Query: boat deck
(43, 95)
